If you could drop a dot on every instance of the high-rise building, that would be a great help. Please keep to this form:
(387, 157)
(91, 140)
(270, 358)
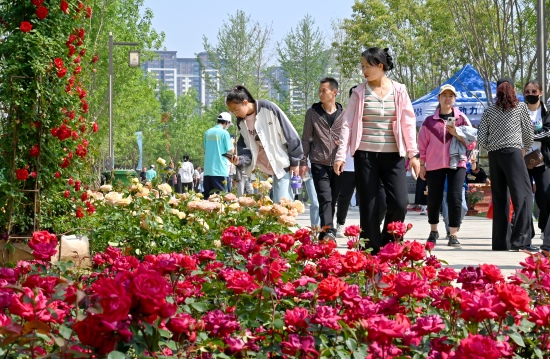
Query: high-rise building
(181, 74)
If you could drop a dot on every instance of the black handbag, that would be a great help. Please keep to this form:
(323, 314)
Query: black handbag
(533, 159)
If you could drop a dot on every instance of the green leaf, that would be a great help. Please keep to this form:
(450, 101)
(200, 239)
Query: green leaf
(516, 337)
(65, 331)
(361, 352)
(351, 344)
(116, 355)
(278, 324)
(199, 307)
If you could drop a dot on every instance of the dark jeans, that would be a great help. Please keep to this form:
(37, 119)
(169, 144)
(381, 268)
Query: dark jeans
(509, 174)
(347, 187)
(370, 169)
(541, 175)
(436, 183)
(213, 184)
(327, 186)
(187, 186)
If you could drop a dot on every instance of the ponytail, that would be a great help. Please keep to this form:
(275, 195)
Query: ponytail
(238, 94)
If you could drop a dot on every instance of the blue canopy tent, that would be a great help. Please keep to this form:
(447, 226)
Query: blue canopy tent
(471, 97)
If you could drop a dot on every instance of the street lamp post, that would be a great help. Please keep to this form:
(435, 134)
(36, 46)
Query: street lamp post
(541, 48)
(133, 61)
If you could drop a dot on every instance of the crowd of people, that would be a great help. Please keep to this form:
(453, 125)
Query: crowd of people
(366, 149)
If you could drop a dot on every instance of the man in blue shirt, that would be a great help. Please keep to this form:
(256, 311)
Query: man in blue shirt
(151, 173)
(217, 143)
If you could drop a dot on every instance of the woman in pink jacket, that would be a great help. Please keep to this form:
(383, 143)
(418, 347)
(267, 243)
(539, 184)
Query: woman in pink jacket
(379, 129)
(434, 143)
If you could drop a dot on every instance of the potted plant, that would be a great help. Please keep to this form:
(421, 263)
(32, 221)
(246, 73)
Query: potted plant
(473, 197)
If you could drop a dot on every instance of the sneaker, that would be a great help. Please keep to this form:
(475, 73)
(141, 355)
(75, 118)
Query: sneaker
(330, 236)
(531, 248)
(434, 236)
(340, 231)
(453, 241)
(423, 210)
(514, 249)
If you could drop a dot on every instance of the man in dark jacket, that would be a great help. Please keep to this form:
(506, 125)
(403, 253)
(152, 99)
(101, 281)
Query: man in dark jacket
(320, 143)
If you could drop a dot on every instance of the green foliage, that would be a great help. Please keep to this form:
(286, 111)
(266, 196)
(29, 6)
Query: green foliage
(303, 56)
(42, 94)
(239, 56)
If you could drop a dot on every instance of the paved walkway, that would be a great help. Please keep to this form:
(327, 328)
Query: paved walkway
(474, 235)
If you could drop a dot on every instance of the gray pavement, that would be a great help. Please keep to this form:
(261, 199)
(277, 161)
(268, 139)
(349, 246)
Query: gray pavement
(474, 235)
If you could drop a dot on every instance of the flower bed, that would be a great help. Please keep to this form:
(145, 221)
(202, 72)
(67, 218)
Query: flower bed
(273, 296)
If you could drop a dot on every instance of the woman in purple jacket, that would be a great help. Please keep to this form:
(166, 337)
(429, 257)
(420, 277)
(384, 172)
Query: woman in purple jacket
(434, 144)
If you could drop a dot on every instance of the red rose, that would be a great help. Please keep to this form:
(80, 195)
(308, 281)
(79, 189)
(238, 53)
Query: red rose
(22, 174)
(57, 174)
(37, 2)
(113, 298)
(352, 231)
(515, 297)
(150, 288)
(330, 288)
(91, 208)
(84, 196)
(34, 151)
(72, 49)
(64, 6)
(77, 60)
(43, 245)
(81, 33)
(71, 181)
(96, 333)
(94, 127)
(25, 26)
(58, 62)
(33, 174)
(42, 12)
(353, 262)
(181, 323)
(79, 213)
(65, 163)
(66, 194)
(62, 72)
(77, 70)
(241, 282)
(88, 12)
(94, 59)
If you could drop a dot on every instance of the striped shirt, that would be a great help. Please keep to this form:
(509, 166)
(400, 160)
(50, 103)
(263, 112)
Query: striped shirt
(378, 118)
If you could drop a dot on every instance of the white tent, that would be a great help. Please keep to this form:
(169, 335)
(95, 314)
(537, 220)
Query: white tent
(471, 98)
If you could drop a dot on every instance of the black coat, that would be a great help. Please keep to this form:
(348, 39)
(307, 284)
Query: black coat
(543, 135)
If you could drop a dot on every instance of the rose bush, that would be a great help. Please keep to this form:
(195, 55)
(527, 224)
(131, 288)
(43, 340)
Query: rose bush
(270, 295)
(151, 219)
(44, 132)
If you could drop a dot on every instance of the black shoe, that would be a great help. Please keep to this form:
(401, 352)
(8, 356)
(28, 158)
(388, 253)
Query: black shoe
(531, 248)
(330, 236)
(453, 241)
(434, 236)
(515, 249)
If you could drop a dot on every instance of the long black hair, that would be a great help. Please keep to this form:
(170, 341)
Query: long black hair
(375, 56)
(238, 94)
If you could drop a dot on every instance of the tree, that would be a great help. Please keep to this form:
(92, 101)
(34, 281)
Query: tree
(239, 57)
(303, 55)
(135, 105)
(420, 35)
(499, 35)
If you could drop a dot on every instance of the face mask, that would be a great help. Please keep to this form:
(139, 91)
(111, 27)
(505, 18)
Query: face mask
(532, 99)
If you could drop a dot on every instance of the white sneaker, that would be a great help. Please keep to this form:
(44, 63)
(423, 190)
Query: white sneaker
(340, 231)
(423, 210)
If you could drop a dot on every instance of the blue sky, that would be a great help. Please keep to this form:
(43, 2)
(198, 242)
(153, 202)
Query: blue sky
(186, 21)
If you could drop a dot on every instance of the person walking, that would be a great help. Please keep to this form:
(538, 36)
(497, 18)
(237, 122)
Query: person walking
(217, 149)
(186, 174)
(379, 130)
(320, 142)
(540, 118)
(151, 173)
(437, 134)
(267, 140)
(506, 131)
